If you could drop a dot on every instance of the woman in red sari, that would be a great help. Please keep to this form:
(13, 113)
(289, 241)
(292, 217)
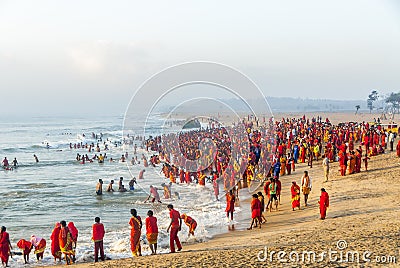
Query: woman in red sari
(5, 246)
(26, 248)
(136, 227)
(323, 203)
(295, 189)
(40, 246)
(55, 243)
(65, 241)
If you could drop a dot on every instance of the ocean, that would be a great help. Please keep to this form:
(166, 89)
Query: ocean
(37, 195)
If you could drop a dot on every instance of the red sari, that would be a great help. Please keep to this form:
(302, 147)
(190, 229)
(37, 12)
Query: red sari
(25, 246)
(55, 243)
(135, 235)
(295, 189)
(4, 247)
(323, 204)
(256, 209)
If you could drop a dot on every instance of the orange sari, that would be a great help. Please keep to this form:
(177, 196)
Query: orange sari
(135, 236)
(65, 241)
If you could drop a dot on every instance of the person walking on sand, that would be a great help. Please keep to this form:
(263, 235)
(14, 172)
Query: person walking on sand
(295, 190)
(323, 203)
(306, 186)
(175, 226)
(262, 209)
(97, 237)
(152, 232)
(255, 212)
(325, 165)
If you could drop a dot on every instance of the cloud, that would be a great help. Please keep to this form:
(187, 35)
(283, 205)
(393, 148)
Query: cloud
(113, 59)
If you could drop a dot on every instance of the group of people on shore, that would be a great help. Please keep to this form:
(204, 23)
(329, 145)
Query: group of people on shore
(64, 238)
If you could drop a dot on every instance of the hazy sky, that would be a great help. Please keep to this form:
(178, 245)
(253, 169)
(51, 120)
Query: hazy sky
(91, 56)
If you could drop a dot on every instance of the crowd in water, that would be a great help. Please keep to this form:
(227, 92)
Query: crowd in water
(231, 156)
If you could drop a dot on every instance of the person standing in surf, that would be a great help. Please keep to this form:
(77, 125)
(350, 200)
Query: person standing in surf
(136, 226)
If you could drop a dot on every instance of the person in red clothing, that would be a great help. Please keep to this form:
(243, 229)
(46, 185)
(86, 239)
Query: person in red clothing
(152, 232)
(5, 246)
(97, 237)
(175, 226)
(190, 222)
(40, 245)
(74, 236)
(65, 242)
(398, 149)
(255, 212)
(323, 203)
(230, 204)
(26, 248)
(55, 243)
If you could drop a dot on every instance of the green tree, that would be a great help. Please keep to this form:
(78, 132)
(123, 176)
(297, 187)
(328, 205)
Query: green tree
(394, 100)
(371, 98)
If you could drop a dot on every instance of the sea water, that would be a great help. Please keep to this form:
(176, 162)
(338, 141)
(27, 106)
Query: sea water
(35, 196)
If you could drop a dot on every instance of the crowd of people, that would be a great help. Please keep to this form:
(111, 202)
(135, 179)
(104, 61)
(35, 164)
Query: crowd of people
(64, 238)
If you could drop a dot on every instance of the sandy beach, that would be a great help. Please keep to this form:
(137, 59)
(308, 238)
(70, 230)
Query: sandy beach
(361, 228)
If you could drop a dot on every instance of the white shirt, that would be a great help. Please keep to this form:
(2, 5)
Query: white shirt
(303, 182)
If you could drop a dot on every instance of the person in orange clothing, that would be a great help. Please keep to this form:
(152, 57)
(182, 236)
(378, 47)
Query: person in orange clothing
(40, 246)
(26, 248)
(66, 241)
(5, 246)
(255, 212)
(190, 222)
(136, 226)
(175, 225)
(230, 204)
(97, 237)
(55, 243)
(152, 232)
(323, 203)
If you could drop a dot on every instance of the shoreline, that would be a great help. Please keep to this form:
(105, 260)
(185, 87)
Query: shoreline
(353, 216)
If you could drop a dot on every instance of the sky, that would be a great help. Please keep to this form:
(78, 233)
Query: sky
(88, 57)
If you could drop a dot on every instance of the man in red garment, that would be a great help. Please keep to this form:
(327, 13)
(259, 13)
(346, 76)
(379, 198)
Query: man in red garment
(323, 203)
(175, 226)
(98, 235)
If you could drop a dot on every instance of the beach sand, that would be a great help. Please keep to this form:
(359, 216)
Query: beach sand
(364, 212)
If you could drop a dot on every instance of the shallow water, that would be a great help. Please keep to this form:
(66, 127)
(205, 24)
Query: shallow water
(36, 195)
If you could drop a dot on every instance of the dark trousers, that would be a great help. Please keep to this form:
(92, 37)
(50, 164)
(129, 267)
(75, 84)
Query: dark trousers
(98, 246)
